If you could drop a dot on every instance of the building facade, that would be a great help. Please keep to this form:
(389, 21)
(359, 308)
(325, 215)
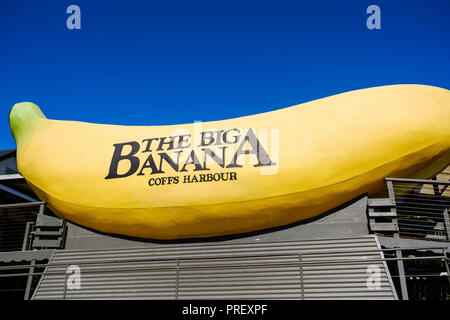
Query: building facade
(393, 246)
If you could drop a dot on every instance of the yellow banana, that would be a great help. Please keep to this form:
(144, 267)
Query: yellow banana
(236, 175)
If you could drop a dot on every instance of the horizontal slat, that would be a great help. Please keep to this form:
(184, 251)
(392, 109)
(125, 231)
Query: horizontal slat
(21, 205)
(418, 181)
(328, 295)
(383, 226)
(382, 214)
(381, 202)
(40, 243)
(48, 221)
(48, 233)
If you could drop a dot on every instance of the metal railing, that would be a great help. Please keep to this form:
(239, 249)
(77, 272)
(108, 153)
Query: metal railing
(14, 223)
(25, 226)
(301, 260)
(422, 208)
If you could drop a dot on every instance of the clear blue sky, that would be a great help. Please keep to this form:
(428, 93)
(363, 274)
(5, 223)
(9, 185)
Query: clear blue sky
(168, 62)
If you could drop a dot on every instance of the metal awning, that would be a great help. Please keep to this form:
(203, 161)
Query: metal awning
(307, 269)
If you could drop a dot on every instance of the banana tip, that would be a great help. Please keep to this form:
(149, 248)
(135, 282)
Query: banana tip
(21, 118)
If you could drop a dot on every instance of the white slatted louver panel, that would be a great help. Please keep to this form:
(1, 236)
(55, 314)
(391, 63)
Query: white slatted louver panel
(313, 269)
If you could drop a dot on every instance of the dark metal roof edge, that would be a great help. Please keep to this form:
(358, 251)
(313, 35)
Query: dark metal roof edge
(6, 153)
(11, 176)
(18, 256)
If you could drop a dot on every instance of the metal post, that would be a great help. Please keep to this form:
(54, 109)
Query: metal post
(445, 213)
(26, 236)
(390, 188)
(65, 282)
(447, 223)
(401, 274)
(436, 187)
(444, 251)
(301, 276)
(398, 253)
(30, 280)
(41, 208)
(177, 278)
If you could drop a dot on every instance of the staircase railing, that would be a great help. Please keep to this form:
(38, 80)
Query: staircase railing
(417, 209)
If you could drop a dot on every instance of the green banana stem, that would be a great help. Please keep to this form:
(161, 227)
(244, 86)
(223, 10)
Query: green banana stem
(22, 119)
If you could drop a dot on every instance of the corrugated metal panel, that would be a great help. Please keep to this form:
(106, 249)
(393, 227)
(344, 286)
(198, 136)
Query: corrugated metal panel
(329, 269)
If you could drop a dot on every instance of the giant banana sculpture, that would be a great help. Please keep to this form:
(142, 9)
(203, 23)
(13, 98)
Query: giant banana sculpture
(236, 175)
